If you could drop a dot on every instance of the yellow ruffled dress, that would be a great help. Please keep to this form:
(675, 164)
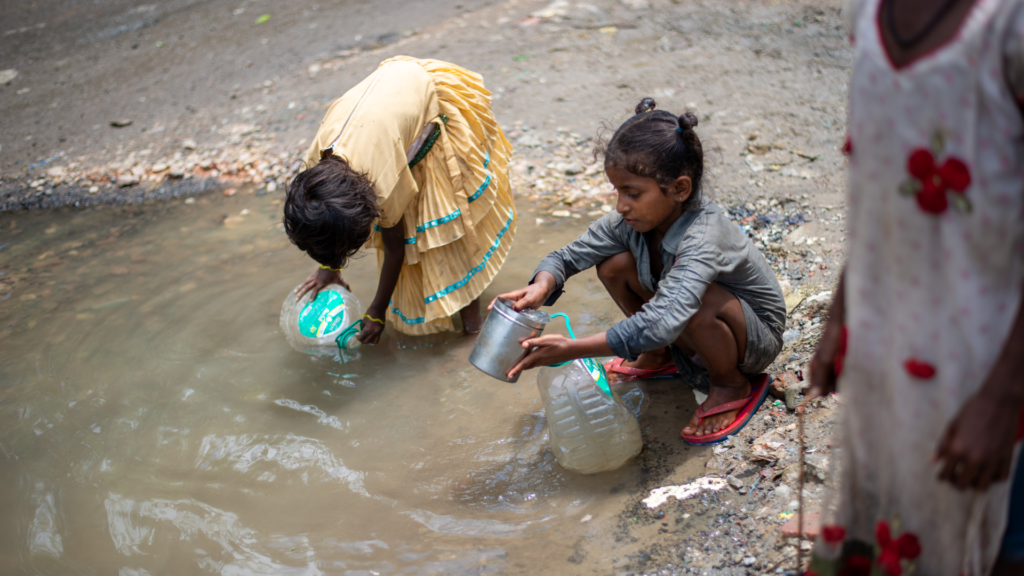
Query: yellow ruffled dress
(454, 194)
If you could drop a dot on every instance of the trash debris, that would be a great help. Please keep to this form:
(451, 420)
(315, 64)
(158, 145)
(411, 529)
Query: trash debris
(661, 495)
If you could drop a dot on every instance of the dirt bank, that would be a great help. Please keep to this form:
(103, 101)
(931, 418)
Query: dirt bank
(206, 98)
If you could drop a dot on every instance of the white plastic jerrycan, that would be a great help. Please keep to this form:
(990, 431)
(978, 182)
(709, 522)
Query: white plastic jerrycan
(591, 429)
(318, 325)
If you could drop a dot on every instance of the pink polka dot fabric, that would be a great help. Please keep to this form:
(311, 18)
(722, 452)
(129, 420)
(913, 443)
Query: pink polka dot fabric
(934, 277)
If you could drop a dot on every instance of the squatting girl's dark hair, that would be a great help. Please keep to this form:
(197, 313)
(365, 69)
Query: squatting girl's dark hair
(329, 211)
(656, 144)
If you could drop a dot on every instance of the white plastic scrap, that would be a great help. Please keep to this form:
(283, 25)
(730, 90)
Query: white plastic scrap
(660, 495)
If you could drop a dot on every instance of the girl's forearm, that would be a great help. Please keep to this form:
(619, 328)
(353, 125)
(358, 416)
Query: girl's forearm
(394, 256)
(1006, 383)
(590, 346)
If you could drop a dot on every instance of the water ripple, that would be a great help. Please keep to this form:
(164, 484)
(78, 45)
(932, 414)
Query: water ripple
(247, 453)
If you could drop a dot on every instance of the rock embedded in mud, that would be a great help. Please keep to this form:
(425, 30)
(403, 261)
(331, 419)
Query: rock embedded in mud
(126, 180)
(188, 144)
(121, 123)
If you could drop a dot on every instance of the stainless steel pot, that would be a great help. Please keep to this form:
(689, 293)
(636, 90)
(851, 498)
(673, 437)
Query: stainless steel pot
(500, 344)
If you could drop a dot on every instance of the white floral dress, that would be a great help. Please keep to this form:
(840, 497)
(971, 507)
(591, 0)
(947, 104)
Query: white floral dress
(933, 281)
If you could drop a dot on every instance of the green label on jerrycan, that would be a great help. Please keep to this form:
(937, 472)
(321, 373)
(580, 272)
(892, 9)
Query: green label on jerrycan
(323, 315)
(598, 374)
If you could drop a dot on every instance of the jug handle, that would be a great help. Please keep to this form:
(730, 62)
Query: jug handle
(602, 379)
(347, 333)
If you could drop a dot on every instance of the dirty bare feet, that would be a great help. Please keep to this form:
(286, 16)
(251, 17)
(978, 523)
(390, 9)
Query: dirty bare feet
(652, 360)
(472, 321)
(736, 388)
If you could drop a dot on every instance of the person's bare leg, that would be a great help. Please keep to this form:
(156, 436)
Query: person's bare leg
(620, 278)
(472, 321)
(718, 334)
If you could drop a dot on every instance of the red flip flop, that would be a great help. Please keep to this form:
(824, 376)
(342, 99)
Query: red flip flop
(749, 405)
(616, 366)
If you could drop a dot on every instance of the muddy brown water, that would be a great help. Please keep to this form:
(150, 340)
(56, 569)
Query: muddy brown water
(156, 421)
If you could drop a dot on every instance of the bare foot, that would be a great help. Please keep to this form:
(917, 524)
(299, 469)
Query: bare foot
(472, 321)
(721, 392)
(651, 360)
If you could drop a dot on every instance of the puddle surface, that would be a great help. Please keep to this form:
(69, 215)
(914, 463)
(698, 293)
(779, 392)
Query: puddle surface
(155, 420)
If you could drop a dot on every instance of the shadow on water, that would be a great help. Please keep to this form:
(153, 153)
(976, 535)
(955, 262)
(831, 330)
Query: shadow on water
(155, 420)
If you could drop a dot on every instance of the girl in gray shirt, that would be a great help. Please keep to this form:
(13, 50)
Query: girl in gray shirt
(698, 296)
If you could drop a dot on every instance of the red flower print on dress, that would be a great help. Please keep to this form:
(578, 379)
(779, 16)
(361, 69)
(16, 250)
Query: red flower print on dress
(833, 534)
(919, 369)
(935, 185)
(908, 545)
(892, 552)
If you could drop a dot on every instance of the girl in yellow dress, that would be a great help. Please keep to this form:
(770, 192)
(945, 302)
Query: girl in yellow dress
(412, 162)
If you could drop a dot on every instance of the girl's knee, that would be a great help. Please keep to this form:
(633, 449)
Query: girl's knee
(617, 266)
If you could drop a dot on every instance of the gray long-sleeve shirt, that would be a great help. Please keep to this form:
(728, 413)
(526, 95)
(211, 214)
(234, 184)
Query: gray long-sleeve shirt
(701, 247)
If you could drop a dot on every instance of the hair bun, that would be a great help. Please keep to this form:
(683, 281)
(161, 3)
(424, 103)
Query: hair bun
(645, 105)
(688, 121)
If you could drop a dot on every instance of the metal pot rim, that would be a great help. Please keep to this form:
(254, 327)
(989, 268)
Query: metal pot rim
(502, 306)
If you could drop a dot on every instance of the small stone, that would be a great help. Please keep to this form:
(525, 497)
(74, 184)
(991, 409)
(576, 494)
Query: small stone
(561, 214)
(571, 168)
(126, 180)
(159, 167)
(188, 144)
(176, 173)
(205, 164)
(734, 482)
(782, 492)
(749, 561)
(529, 141)
(56, 172)
(790, 335)
(230, 191)
(8, 75)
(793, 398)
(190, 200)
(94, 189)
(586, 519)
(271, 187)
(121, 122)
(606, 208)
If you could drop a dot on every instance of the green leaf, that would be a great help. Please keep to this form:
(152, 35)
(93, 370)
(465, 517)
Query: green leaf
(938, 142)
(909, 187)
(521, 58)
(961, 203)
(262, 19)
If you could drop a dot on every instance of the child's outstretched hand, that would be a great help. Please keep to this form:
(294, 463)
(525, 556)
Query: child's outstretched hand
(547, 350)
(532, 296)
(317, 281)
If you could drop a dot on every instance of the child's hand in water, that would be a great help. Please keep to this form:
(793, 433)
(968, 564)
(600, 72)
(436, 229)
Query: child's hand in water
(370, 334)
(549, 349)
(532, 296)
(317, 281)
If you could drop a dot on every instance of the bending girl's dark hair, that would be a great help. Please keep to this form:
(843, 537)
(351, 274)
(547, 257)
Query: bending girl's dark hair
(329, 211)
(657, 144)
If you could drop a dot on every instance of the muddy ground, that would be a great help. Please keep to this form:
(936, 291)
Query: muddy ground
(209, 97)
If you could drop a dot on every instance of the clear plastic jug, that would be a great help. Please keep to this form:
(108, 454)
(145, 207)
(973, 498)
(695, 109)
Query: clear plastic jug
(591, 429)
(320, 325)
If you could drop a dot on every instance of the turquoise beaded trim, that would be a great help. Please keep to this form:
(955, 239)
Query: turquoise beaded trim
(475, 270)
